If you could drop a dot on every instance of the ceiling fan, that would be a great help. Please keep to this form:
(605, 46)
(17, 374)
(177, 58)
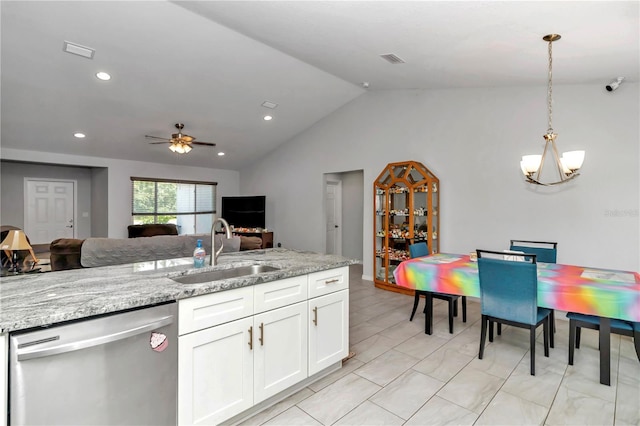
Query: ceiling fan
(180, 143)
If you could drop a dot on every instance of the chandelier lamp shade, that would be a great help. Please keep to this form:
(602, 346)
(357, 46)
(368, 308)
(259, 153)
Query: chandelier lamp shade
(180, 147)
(570, 162)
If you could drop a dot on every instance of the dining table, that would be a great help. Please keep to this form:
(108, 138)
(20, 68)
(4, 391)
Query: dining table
(606, 293)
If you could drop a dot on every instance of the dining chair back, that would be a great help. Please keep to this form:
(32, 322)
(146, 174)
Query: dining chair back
(421, 249)
(509, 295)
(545, 252)
(418, 250)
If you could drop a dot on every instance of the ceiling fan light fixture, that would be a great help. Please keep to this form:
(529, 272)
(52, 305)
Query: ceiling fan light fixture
(180, 148)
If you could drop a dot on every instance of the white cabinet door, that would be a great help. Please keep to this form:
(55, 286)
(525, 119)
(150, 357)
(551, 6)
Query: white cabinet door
(215, 373)
(280, 349)
(328, 330)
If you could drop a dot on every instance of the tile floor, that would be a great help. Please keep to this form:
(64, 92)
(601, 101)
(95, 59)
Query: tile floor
(401, 376)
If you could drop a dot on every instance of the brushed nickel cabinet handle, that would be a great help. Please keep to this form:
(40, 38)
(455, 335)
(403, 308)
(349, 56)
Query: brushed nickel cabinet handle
(315, 316)
(251, 338)
(332, 281)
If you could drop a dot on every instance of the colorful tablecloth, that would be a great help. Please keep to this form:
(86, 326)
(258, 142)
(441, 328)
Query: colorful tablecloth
(601, 292)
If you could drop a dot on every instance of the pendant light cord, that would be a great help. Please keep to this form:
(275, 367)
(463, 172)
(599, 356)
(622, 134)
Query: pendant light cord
(550, 90)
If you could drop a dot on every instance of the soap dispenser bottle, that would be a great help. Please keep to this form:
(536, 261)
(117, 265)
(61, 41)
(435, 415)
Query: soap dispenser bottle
(199, 255)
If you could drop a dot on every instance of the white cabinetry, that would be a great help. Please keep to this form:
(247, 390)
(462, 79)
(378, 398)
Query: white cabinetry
(237, 348)
(328, 318)
(215, 373)
(280, 355)
(4, 382)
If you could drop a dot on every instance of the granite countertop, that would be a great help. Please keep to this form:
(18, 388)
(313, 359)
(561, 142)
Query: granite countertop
(33, 300)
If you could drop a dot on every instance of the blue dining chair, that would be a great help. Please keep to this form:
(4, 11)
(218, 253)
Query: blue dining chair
(419, 250)
(579, 321)
(509, 295)
(545, 252)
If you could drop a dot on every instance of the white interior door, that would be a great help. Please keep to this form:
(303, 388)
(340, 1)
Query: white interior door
(333, 205)
(49, 210)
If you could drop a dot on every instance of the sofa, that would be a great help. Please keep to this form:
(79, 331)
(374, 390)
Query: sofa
(71, 253)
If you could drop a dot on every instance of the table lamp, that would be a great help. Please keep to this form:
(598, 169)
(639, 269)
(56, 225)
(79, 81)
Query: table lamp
(15, 240)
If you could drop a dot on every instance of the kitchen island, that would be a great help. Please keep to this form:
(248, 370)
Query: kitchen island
(315, 287)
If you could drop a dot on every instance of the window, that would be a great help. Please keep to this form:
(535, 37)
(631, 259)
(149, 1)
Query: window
(189, 205)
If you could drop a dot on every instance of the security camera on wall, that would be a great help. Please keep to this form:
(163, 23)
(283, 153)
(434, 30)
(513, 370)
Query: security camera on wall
(614, 84)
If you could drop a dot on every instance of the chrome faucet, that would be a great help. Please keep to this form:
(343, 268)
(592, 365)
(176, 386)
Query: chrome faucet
(213, 260)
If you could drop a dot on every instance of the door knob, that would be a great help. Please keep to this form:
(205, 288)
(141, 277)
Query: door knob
(336, 226)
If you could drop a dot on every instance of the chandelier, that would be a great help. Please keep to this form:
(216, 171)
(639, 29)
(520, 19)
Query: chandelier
(570, 162)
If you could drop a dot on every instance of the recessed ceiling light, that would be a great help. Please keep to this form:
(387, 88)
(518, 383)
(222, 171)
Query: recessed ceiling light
(103, 76)
(79, 135)
(268, 118)
(220, 154)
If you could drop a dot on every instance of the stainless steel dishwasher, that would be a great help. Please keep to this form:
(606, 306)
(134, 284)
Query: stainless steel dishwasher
(119, 369)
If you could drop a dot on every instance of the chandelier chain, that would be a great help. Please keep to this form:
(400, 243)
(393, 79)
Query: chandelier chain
(550, 90)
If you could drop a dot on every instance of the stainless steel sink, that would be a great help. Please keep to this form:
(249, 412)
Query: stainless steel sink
(224, 274)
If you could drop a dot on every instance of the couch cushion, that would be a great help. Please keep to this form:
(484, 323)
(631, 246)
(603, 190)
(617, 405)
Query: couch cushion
(117, 251)
(65, 253)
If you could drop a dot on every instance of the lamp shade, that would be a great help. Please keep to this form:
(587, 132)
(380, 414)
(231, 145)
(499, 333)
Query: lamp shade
(15, 240)
(530, 163)
(572, 160)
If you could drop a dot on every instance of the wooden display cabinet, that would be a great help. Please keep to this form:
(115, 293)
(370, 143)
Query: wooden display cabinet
(406, 203)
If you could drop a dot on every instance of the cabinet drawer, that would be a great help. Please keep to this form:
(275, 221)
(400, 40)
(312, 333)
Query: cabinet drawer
(205, 311)
(277, 294)
(325, 282)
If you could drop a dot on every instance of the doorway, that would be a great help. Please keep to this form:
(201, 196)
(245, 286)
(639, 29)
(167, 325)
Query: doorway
(333, 214)
(50, 209)
(348, 203)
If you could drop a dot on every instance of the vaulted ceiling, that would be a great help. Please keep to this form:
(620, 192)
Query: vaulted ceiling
(211, 65)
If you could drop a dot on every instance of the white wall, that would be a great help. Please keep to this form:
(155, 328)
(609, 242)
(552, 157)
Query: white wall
(472, 139)
(119, 182)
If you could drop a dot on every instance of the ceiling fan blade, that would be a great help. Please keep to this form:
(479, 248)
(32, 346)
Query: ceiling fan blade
(156, 137)
(156, 143)
(203, 143)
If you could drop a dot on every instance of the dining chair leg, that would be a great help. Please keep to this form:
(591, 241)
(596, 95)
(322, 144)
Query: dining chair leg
(416, 300)
(452, 309)
(636, 342)
(464, 308)
(532, 344)
(572, 340)
(552, 329)
(483, 334)
(428, 315)
(547, 333)
(499, 329)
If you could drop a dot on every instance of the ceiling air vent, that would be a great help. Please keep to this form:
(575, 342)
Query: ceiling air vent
(79, 50)
(391, 58)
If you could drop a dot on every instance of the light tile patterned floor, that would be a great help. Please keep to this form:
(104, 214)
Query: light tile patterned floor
(401, 376)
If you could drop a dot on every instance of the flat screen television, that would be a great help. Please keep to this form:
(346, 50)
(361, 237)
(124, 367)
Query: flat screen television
(245, 211)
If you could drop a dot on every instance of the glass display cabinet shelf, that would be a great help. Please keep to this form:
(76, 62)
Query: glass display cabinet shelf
(405, 209)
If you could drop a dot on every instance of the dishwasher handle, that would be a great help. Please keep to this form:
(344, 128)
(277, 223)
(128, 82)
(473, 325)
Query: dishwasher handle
(25, 354)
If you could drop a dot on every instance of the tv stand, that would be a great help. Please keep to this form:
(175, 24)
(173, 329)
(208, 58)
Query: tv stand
(267, 237)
